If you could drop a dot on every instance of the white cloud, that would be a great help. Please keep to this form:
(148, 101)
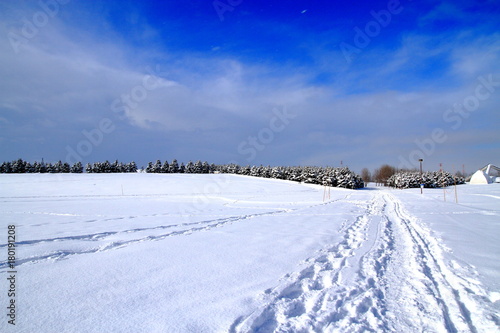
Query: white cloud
(479, 56)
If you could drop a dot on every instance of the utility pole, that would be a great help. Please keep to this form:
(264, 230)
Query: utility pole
(421, 179)
(442, 176)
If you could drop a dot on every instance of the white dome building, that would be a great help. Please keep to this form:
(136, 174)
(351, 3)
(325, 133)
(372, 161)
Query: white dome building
(487, 175)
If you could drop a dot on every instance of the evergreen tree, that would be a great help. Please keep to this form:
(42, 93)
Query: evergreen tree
(57, 167)
(36, 167)
(18, 166)
(189, 167)
(198, 167)
(8, 167)
(277, 173)
(205, 167)
(157, 167)
(165, 167)
(255, 171)
(233, 168)
(246, 170)
(174, 167)
(266, 172)
(50, 168)
(30, 168)
(65, 168)
(132, 167)
(106, 167)
(114, 167)
(43, 167)
(77, 167)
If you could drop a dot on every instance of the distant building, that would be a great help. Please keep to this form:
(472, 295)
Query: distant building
(487, 175)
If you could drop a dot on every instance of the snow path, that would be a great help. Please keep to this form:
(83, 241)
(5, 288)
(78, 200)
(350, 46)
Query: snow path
(386, 269)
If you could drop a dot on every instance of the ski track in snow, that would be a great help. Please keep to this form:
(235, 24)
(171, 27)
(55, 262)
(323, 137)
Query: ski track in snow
(185, 229)
(387, 274)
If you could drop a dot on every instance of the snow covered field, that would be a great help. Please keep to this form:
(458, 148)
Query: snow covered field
(226, 253)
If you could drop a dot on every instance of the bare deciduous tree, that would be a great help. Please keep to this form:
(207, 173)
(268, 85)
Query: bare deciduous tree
(366, 175)
(382, 174)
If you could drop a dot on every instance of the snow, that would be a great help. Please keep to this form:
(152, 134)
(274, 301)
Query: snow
(228, 253)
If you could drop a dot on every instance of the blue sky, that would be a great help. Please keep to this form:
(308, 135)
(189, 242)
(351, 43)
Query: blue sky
(252, 82)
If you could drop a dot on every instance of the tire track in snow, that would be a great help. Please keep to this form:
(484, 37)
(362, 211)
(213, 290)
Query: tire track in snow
(386, 275)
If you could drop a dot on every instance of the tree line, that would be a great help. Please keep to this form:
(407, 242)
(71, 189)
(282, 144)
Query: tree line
(430, 179)
(328, 176)
(20, 166)
(114, 167)
(404, 178)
